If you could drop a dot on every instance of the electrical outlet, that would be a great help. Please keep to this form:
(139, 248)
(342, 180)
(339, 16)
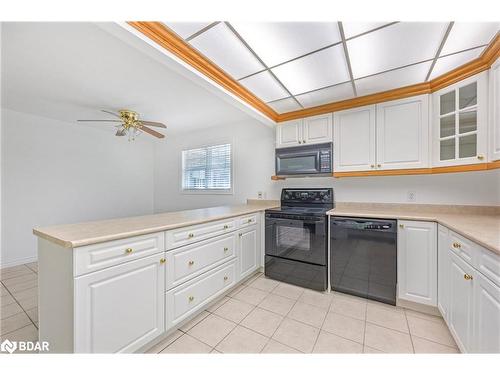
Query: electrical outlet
(260, 195)
(411, 196)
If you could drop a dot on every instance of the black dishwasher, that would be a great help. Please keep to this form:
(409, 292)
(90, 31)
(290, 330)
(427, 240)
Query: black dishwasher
(363, 257)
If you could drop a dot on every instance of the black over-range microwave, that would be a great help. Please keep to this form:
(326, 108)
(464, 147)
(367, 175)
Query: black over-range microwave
(304, 160)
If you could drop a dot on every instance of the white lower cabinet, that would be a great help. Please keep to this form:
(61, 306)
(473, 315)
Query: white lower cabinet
(461, 302)
(120, 308)
(248, 251)
(486, 315)
(417, 262)
(188, 298)
(443, 297)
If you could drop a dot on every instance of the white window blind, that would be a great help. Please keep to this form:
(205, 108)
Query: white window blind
(207, 168)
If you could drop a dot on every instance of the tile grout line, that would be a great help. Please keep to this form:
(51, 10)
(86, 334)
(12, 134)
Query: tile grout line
(22, 308)
(409, 332)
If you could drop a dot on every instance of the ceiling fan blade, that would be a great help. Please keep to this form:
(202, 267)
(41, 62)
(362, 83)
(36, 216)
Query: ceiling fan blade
(152, 132)
(120, 132)
(98, 120)
(153, 123)
(111, 113)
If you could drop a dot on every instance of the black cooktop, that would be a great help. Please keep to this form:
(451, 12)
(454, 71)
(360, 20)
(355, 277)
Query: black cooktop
(308, 202)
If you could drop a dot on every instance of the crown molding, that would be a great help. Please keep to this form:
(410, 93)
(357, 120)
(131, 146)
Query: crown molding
(166, 38)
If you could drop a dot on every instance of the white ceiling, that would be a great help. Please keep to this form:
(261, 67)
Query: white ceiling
(303, 64)
(69, 71)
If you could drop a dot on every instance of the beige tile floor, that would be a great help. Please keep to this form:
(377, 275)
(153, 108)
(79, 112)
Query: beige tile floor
(261, 316)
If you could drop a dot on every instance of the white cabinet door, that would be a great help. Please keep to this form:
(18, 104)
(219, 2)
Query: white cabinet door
(443, 271)
(461, 302)
(121, 308)
(417, 262)
(403, 133)
(486, 315)
(494, 133)
(354, 139)
(317, 129)
(249, 254)
(289, 133)
(460, 117)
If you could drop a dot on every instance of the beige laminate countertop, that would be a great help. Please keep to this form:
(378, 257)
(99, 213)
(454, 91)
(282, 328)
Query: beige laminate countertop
(88, 233)
(480, 227)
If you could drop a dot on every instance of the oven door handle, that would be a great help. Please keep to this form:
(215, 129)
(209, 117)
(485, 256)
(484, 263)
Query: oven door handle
(294, 222)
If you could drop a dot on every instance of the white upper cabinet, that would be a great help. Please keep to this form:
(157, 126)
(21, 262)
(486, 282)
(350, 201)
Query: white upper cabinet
(417, 262)
(460, 116)
(354, 139)
(494, 132)
(289, 133)
(311, 130)
(317, 129)
(403, 133)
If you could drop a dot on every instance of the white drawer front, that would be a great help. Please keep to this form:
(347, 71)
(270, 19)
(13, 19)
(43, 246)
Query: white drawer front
(248, 220)
(96, 257)
(489, 265)
(187, 298)
(192, 260)
(195, 233)
(463, 247)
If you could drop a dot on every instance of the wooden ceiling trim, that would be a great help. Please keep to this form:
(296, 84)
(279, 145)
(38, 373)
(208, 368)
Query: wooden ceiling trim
(167, 39)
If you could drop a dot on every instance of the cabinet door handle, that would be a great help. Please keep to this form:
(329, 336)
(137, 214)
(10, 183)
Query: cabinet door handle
(249, 220)
(191, 262)
(379, 165)
(226, 249)
(162, 260)
(129, 250)
(191, 298)
(303, 141)
(456, 245)
(468, 277)
(372, 166)
(241, 234)
(225, 278)
(401, 225)
(226, 226)
(191, 235)
(300, 142)
(480, 157)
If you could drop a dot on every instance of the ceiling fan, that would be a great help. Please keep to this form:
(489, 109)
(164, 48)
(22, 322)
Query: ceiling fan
(131, 125)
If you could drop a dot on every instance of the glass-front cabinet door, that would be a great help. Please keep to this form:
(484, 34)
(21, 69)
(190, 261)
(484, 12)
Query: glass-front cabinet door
(460, 122)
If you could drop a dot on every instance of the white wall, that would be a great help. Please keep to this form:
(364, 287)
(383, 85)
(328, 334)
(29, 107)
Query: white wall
(470, 188)
(253, 159)
(55, 173)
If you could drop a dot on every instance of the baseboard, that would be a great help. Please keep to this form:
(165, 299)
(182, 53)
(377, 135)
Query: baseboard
(431, 310)
(18, 262)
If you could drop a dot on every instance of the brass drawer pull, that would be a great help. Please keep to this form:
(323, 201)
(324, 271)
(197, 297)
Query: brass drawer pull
(191, 298)
(226, 249)
(456, 245)
(468, 277)
(129, 250)
(225, 278)
(401, 225)
(191, 262)
(162, 260)
(226, 226)
(241, 234)
(480, 157)
(191, 235)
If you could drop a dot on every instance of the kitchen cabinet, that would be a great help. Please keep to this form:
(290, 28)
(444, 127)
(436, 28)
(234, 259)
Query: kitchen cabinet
(494, 96)
(249, 254)
(403, 133)
(461, 302)
(354, 139)
(443, 271)
(311, 130)
(121, 308)
(460, 117)
(417, 262)
(486, 315)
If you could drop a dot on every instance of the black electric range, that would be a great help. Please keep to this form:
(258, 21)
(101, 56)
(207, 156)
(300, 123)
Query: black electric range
(296, 244)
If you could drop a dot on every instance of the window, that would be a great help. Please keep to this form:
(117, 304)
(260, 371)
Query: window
(207, 168)
(458, 123)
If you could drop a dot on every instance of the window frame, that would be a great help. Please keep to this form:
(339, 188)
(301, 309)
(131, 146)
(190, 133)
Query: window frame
(229, 191)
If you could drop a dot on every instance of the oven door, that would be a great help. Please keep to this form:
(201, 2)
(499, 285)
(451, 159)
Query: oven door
(299, 162)
(301, 239)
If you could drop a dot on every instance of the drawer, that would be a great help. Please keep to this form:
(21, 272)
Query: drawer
(463, 247)
(247, 220)
(185, 236)
(488, 263)
(96, 257)
(192, 260)
(188, 298)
